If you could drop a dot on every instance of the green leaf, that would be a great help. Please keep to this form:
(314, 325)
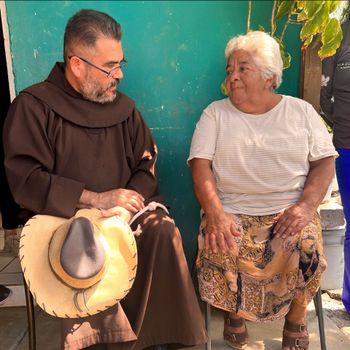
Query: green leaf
(331, 38)
(284, 8)
(286, 58)
(331, 30)
(312, 7)
(223, 89)
(332, 5)
(301, 4)
(316, 24)
(302, 16)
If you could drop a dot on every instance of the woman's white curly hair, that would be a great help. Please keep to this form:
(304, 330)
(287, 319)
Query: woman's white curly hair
(265, 53)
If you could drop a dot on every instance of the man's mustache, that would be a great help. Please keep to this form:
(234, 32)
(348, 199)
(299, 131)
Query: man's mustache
(114, 83)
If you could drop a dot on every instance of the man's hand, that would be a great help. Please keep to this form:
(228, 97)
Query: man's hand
(294, 219)
(118, 211)
(220, 231)
(127, 199)
(121, 197)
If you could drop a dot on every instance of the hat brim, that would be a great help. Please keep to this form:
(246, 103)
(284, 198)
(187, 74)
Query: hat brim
(52, 294)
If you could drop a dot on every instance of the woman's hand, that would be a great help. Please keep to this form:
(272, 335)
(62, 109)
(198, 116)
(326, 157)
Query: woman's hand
(220, 227)
(220, 231)
(294, 219)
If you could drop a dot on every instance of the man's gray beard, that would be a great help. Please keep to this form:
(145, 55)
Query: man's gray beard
(92, 91)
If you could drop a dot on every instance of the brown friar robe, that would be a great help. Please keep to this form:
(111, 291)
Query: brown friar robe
(57, 143)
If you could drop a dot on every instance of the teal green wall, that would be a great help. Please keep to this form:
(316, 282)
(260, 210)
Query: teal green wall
(175, 67)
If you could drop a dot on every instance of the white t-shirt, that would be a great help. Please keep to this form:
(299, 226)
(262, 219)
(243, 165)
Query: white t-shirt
(260, 162)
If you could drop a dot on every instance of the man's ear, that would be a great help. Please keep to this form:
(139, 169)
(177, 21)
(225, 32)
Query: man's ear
(76, 66)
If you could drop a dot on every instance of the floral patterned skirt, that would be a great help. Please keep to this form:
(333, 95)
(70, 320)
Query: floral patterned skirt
(264, 274)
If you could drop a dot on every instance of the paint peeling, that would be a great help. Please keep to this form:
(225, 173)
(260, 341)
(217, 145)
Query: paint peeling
(166, 128)
(182, 47)
(48, 32)
(156, 109)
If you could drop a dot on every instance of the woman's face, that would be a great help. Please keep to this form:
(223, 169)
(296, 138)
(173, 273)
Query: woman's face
(244, 82)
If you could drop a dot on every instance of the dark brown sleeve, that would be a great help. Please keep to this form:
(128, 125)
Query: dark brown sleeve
(143, 178)
(30, 161)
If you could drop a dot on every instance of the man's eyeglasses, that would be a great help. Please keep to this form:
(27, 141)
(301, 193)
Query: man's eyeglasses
(110, 73)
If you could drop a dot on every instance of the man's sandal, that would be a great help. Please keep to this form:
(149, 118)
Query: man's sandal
(297, 341)
(233, 339)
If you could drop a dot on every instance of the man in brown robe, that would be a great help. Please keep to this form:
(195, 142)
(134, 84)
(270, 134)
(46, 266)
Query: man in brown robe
(74, 141)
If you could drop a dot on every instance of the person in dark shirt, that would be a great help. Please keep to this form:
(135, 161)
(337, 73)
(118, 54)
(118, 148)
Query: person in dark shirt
(335, 105)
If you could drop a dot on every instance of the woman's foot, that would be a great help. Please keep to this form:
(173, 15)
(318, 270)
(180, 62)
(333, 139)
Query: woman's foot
(295, 336)
(235, 331)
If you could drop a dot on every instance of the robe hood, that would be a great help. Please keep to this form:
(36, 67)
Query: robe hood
(59, 95)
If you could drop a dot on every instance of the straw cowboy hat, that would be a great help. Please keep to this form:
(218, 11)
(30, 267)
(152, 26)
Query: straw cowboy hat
(80, 266)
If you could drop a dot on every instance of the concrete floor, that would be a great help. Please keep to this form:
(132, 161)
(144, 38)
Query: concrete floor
(13, 332)
(269, 335)
(13, 322)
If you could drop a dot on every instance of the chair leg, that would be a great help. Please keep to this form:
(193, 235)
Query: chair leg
(319, 313)
(207, 325)
(30, 317)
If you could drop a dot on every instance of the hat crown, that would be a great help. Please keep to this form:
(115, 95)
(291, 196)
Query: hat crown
(82, 254)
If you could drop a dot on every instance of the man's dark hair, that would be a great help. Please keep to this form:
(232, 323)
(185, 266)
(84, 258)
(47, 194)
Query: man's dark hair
(85, 27)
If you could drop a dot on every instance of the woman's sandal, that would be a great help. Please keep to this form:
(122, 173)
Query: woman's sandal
(297, 341)
(235, 340)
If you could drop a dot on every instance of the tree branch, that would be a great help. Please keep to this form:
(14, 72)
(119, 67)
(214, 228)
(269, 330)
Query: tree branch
(249, 14)
(273, 21)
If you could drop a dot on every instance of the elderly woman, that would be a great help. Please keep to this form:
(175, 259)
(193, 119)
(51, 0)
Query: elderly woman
(261, 165)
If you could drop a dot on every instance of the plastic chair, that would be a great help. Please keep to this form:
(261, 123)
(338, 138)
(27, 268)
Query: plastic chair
(319, 312)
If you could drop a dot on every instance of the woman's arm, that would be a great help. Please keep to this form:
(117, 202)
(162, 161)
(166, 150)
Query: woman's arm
(220, 227)
(295, 218)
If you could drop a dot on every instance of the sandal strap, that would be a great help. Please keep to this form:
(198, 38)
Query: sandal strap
(236, 337)
(294, 327)
(296, 341)
(299, 342)
(234, 322)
